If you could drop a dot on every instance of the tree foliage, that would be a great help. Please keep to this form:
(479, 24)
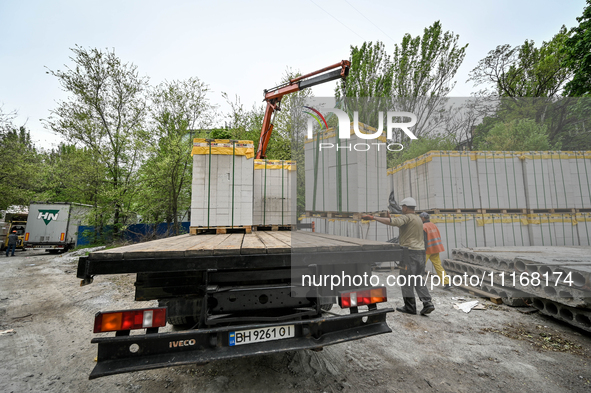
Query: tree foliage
(420, 147)
(416, 78)
(525, 70)
(523, 134)
(19, 166)
(105, 112)
(578, 55)
(179, 109)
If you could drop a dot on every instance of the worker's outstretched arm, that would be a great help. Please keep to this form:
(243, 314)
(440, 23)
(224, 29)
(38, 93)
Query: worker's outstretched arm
(394, 221)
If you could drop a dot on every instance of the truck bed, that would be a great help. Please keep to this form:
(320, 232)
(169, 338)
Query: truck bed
(231, 251)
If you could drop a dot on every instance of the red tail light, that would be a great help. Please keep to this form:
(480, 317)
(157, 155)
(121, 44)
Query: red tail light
(113, 321)
(362, 297)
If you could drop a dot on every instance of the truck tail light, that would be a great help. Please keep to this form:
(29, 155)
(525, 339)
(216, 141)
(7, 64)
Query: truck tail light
(362, 297)
(62, 237)
(113, 321)
(27, 236)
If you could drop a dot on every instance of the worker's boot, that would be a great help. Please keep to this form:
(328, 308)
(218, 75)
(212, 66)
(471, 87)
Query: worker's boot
(428, 307)
(410, 306)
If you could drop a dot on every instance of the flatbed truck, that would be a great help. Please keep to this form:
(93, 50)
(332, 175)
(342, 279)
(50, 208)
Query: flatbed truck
(236, 295)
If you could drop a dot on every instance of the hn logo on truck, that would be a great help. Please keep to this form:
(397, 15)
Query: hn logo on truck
(48, 215)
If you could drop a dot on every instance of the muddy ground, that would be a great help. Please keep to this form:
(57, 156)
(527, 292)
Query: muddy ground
(498, 349)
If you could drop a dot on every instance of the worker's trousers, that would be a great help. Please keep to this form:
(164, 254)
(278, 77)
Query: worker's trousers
(436, 261)
(9, 248)
(415, 281)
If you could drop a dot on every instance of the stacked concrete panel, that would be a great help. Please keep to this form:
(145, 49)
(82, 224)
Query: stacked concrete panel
(495, 180)
(346, 175)
(222, 187)
(555, 280)
(477, 230)
(274, 192)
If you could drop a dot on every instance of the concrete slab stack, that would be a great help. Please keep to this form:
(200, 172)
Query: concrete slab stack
(346, 175)
(274, 192)
(476, 230)
(222, 186)
(555, 280)
(495, 180)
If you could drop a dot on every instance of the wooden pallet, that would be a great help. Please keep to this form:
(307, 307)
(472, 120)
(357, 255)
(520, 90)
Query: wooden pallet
(476, 211)
(352, 215)
(506, 211)
(273, 228)
(220, 229)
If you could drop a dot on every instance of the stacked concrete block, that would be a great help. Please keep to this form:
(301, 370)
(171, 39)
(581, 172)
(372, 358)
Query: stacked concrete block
(346, 175)
(274, 192)
(222, 186)
(495, 180)
(477, 230)
(555, 280)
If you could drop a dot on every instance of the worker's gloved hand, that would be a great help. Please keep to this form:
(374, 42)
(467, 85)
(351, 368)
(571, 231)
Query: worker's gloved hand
(368, 217)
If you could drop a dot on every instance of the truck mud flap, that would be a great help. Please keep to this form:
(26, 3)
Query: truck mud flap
(124, 354)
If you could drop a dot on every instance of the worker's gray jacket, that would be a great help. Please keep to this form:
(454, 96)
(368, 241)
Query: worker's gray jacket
(12, 239)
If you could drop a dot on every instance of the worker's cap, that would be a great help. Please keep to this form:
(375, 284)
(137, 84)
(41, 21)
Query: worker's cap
(424, 215)
(410, 202)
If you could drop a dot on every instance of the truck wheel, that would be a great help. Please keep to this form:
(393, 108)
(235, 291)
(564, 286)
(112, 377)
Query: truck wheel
(183, 312)
(181, 321)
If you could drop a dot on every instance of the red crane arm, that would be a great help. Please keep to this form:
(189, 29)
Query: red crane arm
(273, 96)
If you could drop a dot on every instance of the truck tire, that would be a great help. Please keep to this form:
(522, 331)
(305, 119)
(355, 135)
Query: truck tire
(181, 321)
(183, 312)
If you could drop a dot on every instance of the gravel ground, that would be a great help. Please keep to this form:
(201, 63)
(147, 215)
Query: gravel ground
(46, 326)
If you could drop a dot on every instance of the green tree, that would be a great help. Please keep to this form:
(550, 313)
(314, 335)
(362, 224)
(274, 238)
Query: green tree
(524, 134)
(421, 146)
(105, 112)
(179, 109)
(72, 174)
(577, 50)
(19, 166)
(524, 71)
(416, 78)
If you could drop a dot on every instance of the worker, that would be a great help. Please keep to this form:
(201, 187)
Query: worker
(411, 236)
(433, 247)
(12, 240)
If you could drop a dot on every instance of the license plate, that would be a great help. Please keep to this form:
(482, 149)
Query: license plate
(263, 334)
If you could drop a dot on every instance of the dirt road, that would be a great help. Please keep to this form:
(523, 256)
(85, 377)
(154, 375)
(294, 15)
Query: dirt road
(494, 350)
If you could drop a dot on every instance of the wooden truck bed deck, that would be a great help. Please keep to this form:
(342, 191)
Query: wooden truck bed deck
(279, 242)
(236, 251)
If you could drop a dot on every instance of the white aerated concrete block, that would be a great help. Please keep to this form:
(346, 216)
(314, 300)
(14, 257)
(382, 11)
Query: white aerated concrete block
(222, 192)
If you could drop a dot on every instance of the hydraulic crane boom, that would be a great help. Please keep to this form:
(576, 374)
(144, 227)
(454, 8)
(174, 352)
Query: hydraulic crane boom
(273, 96)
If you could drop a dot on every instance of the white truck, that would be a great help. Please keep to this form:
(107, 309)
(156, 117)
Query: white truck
(54, 226)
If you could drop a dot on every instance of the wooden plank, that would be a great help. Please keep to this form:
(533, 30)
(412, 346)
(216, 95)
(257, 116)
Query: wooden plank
(192, 241)
(230, 246)
(273, 245)
(206, 247)
(324, 244)
(119, 252)
(251, 244)
(300, 243)
(158, 249)
(363, 243)
(284, 236)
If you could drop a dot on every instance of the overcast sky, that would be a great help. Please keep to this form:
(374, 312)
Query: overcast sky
(240, 47)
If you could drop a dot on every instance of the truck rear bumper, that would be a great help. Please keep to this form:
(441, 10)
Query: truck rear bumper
(143, 352)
